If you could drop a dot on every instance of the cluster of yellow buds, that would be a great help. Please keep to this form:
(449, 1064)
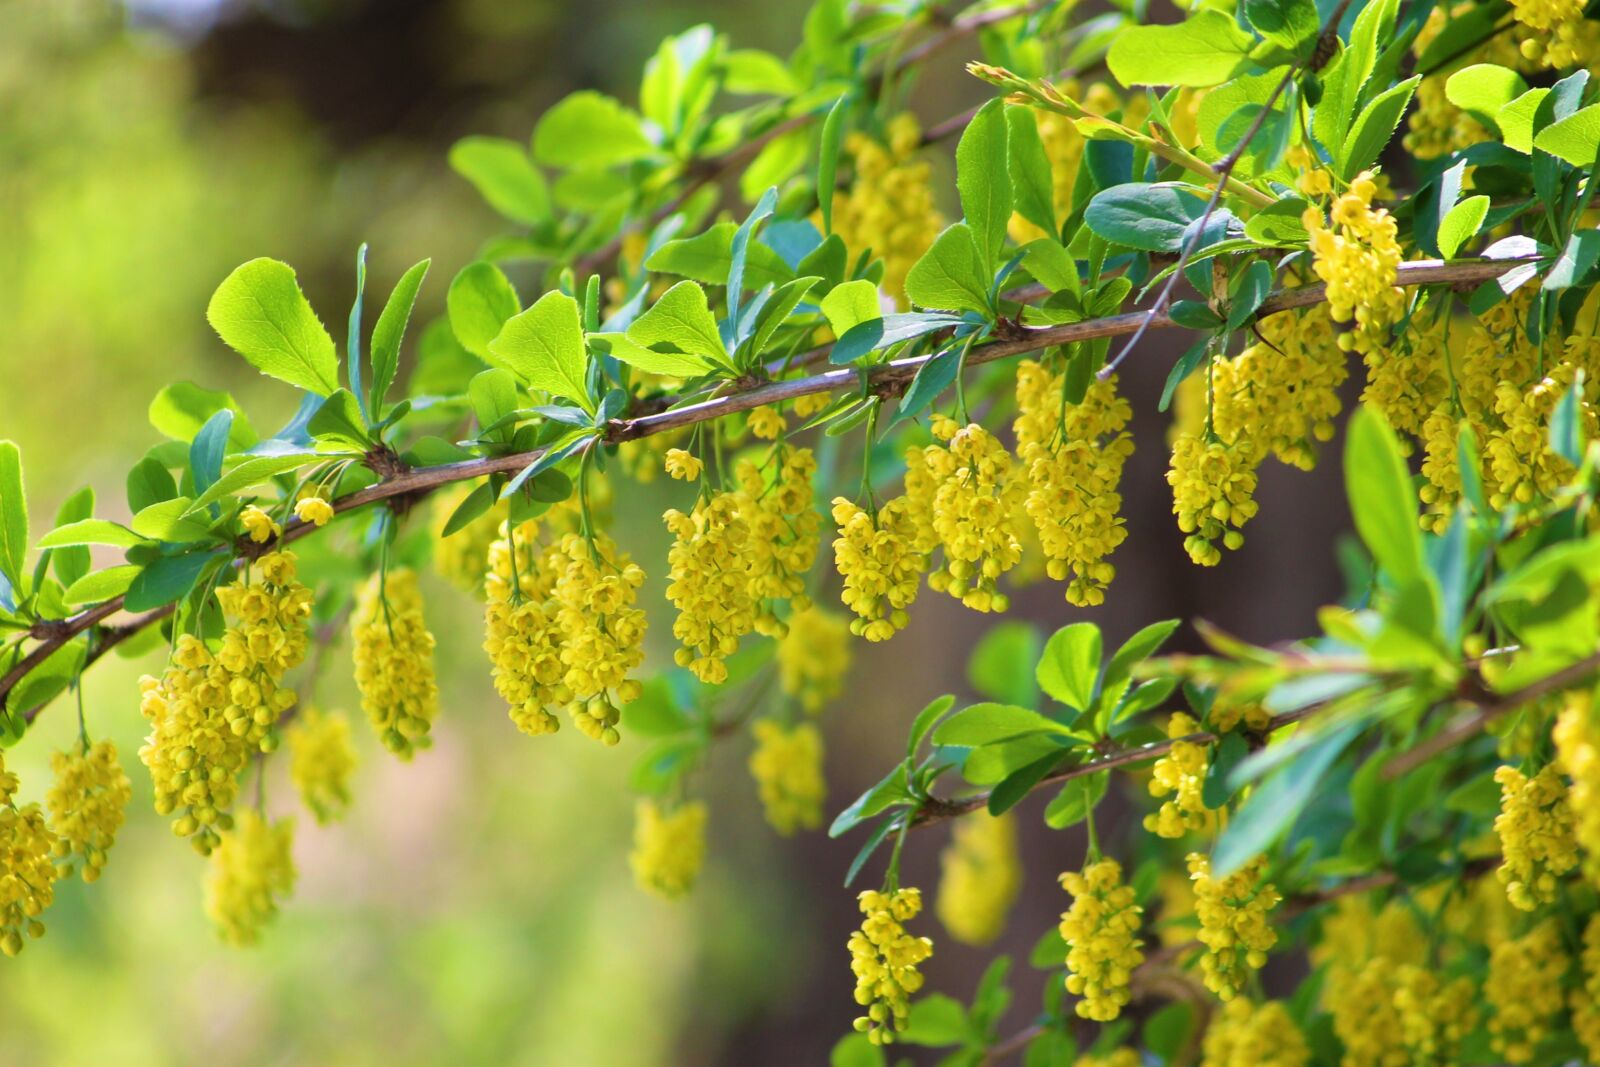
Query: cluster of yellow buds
(1282, 393)
(1101, 930)
(393, 652)
(669, 846)
(602, 631)
(1585, 999)
(1226, 715)
(211, 710)
(814, 657)
(1233, 914)
(1552, 32)
(1385, 1012)
(28, 870)
(1359, 259)
(784, 532)
(880, 558)
(709, 585)
(1213, 494)
(1577, 738)
(1524, 991)
(787, 767)
(520, 631)
(1535, 826)
(1250, 1034)
(889, 204)
(321, 760)
(250, 869)
(965, 494)
(980, 877)
(88, 802)
(885, 960)
(1182, 773)
(1074, 460)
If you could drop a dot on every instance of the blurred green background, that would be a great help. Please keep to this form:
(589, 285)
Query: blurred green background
(476, 906)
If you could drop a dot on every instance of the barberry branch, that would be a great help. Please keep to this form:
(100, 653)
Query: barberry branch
(885, 379)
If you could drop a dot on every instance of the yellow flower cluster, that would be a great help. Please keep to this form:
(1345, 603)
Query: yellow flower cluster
(321, 761)
(885, 959)
(1524, 991)
(1520, 464)
(880, 558)
(1213, 494)
(1355, 932)
(1535, 827)
(1406, 379)
(980, 877)
(965, 494)
(211, 710)
(1281, 394)
(562, 627)
(1577, 738)
(1387, 1013)
(1585, 999)
(1182, 773)
(27, 869)
(1551, 31)
(1437, 127)
(787, 767)
(1359, 258)
(1101, 930)
(888, 206)
(709, 585)
(1122, 1057)
(314, 510)
(462, 559)
(1250, 1034)
(784, 532)
(393, 653)
(669, 846)
(87, 802)
(1233, 922)
(249, 871)
(1226, 715)
(1074, 460)
(814, 657)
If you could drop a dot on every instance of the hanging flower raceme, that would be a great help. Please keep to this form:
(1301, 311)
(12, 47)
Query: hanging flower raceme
(462, 558)
(980, 878)
(814, 657)
(1074, 455)
(521, 632)
(1250, 1034)
(1584, 1000)
(88, 802)
(393, 652)
(1282, 393)
(1577, 738)
(783, 532)
(1233, 914)
(602, 631)
(28, 870)
(322, 759)
(1358, 256)
(1524, 991)
(250, 870)
(970, 498)
(889, 205)
(1535, 826)
(1103, 947)
(709, 584)
(1182, 773)
(1407, 380)
(787, 767)
(1386, 1012)
(210, 711)
(1551, 33)
(1213, 494)
(669, 847)
(880, 557)
(885, 959)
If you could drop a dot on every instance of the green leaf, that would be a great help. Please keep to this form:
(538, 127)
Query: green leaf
(750, 70)
(1577, 259)
(253, 471)
(337, 424)
(13, 514)
(1076, 800)
(988, 723)
(544, 347)
(682, 318)
(983, 180)
(1277, 802)
(1149, 217)
(504, 176)
(209, 447)
(101, 585)
(1205, 49)
(851, 304)
(480, 301)
(675, 364)
(951, 275)
(1289, 23)
(892, 790)
(1483, 89)
(1566, 429)
(828, 161)
(73, 562)
(1516, 120)
(1033, 188)
(999, 667)
(707, 257)
(1461, 224)
(937, 1021)
(1136, 649)
(1374, 128)
(1381, 498)
(925, 720)
(1069, 669)
(1575, 138)
(855, 1050)
(180, 409)
(165, 580)
(169, 521)
(148, 483)
(590, 129)
(260, 313)
(654, 713)
(493, 394)
(390, 330)
(91, 532)
(778, 161)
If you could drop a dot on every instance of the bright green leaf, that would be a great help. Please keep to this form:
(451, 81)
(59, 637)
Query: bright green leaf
(682, 318)
(260, 313)
(951, 275)
(1461, 224)
(1205, 49)
(590, 129)
(544, 347)
(504, 176)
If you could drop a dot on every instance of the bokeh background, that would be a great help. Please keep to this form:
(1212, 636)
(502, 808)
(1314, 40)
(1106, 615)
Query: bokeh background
(476, 906)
